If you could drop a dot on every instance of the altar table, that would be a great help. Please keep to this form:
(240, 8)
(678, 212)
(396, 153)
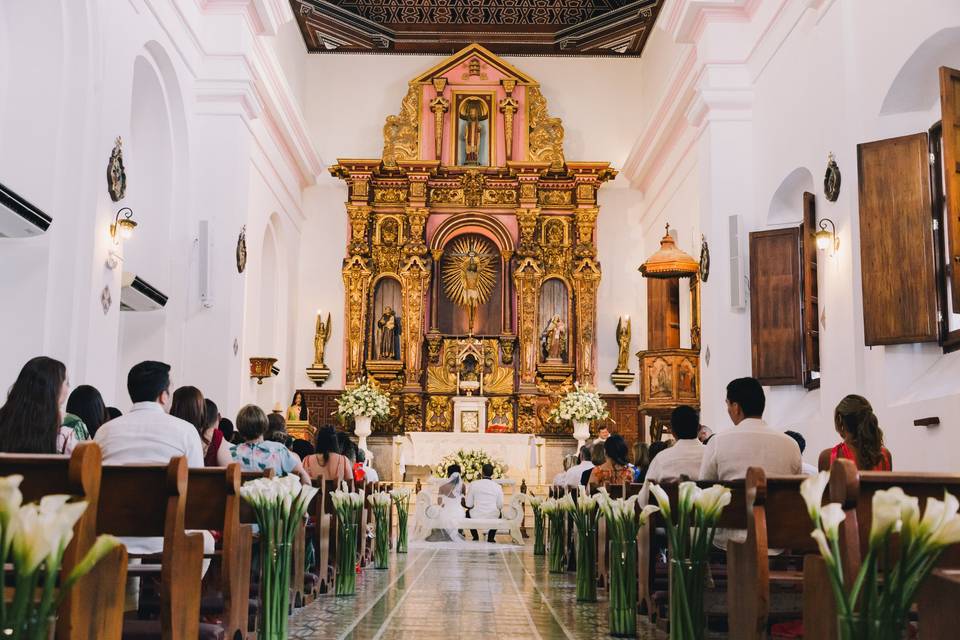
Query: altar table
(520, 452)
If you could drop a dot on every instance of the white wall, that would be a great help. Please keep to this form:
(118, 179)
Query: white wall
(769, 92)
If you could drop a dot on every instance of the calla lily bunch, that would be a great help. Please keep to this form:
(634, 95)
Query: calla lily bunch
(280, 505)
(34, 537)
(536, 505)
(401, 498)
(921, 541)
(380, 501)
(556, 512)
(691, 527)
(623, 519)
(348, 505)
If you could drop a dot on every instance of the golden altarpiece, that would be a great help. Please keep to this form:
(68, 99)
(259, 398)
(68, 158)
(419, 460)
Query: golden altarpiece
(471, 265)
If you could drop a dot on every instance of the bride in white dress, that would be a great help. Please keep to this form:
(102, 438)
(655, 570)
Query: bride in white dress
(444, 513)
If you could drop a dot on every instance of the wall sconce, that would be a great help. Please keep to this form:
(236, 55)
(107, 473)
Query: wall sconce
(827, 238)
(123, 227)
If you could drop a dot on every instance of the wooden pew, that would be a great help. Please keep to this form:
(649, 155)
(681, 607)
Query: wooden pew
(248, 517)
(937, 605)
(150, 501)
(94, 607)
(776, 518)
(213, 503)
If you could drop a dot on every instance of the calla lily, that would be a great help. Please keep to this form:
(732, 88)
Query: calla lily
(910, 515)
(886, 513)
(938, 512)
(36, 538)
(712, 501)
(10, 498)
(821, 539)
(647, 511)
(948, 533)
(662, 499)
(688, 494)
(830, 517)
(812, 491)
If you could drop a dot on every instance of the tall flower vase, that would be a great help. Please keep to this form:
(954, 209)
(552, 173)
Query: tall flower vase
(687, 581)
(539, 542)
(345, 584)
(587, 563)
(557, 542)
(381, 543)
(362, 430)
(581, 432)
(623, 589)
(402, 531)
(275, 558)
(855, 627)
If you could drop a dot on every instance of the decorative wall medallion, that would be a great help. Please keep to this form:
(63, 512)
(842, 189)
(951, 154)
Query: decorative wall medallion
(116, 174)
(106, 300)
(704, 259)
(242, 250)
(831, 180)
(706, 356)
(236, 346)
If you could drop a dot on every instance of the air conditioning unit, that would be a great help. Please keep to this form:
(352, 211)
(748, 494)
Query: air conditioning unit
(19, 218)
(738, 281)
(136, 294)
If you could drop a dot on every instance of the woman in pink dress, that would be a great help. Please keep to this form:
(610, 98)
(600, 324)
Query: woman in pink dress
(862, 443)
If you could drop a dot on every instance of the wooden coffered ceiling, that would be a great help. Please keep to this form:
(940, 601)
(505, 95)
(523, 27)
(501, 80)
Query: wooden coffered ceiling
(616, 28)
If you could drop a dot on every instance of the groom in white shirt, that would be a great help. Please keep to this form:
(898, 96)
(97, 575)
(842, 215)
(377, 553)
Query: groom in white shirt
(485, 500)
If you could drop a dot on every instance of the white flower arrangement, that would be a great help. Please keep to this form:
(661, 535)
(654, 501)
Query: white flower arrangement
(363, 400)
(581, 406)
(471, 464)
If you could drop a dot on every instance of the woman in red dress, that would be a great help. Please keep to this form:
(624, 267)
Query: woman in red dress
(862, 442)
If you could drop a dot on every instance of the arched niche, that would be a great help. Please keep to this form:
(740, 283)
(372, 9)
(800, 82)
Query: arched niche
(916, 87)
(786, 205)
(385, 325)
(452, 318)
(554, 321)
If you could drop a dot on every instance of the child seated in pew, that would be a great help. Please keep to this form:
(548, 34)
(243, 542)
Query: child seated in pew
(257, 454)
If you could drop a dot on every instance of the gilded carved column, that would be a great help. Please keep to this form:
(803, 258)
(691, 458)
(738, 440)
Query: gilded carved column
(508, 106)
(356, 286)
(586, 222)
(416, 280)
(527, 221)
(586, 278)
(527, 278)
(359, 229)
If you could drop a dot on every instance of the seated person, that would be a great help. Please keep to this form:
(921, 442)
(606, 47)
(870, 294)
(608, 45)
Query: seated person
(808, 469)
(449, 498)
(257, 454)
(572, 477)
(616, 469)
(485, 500)
(597, 456)
(369, 473)
(328, 463)
(568, 461)
(683, 459)
(752, 442)
(857, 425)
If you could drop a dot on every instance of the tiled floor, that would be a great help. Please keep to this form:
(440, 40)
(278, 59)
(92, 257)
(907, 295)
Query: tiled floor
(443, 593)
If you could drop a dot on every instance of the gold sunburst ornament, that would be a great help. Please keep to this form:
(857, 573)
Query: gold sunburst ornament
(468, 274)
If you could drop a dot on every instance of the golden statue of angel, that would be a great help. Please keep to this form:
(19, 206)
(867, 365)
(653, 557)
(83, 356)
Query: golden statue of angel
(468, 275)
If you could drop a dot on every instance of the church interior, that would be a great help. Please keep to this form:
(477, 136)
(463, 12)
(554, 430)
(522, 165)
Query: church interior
(694, 250)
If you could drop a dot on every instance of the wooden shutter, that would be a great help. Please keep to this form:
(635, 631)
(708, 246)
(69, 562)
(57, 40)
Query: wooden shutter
(811, 308)
(950, 117)
(776, 338)
(897, 258)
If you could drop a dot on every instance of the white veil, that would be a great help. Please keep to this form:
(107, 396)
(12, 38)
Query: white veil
(438, 515)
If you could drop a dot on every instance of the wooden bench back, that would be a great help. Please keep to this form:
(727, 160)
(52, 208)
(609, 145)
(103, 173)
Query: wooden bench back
(213, 498)
(734, 516)
(247, 516)
(94, 608)
(777, 500)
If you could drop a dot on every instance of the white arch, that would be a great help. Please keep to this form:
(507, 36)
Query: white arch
(916, 87)
(786, 205)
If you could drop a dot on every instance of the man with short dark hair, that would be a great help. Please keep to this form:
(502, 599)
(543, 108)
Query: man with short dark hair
(808, 469)
(485, 500)
(573, 475)
(752, 442)
(683, 459)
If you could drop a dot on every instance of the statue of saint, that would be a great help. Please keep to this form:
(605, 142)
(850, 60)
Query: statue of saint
(320, 340)
(473, 111)
(623, 343)
(388, 335)
(553, 340)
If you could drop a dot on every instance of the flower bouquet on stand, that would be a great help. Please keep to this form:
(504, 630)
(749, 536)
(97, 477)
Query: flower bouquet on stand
(401, 498)
(471, 464)
(690, 528)
(556, 514)
(876, 604)
(33, 538)
(347, 504)
(580, 407)
(380, 501)
(363, 403)
(280, 505)
(585, 512)
(623, 523)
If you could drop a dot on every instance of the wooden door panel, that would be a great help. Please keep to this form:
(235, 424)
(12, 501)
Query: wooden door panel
(775, 331)
(950, 110)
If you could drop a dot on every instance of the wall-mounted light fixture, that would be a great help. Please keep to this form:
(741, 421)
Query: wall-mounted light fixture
(123, 227)
(827, 238)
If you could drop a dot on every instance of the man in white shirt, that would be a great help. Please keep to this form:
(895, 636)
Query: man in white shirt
(485, 500)
(574, 474)
(365, 457)
(752, 442)
(147, 434)
(684, 458)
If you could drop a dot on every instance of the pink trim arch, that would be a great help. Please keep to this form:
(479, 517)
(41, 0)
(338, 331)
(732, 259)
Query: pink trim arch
(485, 225)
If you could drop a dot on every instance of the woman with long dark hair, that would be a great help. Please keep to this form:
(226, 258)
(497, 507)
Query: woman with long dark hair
(30, 420)
(328, 463)
(857, 425)
(216, 449)
(616, 468)
(187, 404)
(298, 408)
(86, 404)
